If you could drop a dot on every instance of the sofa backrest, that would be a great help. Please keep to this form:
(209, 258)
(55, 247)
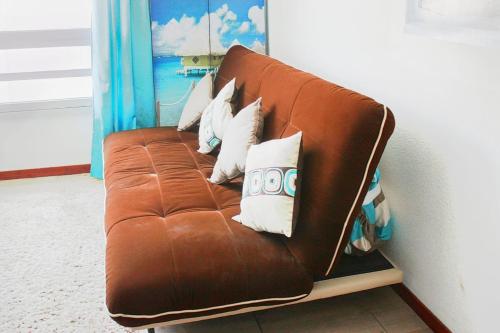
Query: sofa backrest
(344, 135)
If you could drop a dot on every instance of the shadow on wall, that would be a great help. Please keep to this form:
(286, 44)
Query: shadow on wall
(418, 181)
(417, 184)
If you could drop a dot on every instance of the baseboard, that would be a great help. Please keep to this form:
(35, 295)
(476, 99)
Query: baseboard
(420, 309)
(45, 172)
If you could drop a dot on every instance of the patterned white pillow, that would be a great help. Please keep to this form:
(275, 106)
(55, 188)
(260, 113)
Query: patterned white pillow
(269, 202)
(215, 119)
(200, 98)
(244, 130)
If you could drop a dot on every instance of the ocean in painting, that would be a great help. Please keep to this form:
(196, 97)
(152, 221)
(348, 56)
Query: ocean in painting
(170, 88)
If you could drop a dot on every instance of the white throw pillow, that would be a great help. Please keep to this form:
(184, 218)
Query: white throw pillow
(244, 130)
(269, 201)
(200, 98)
(215, 119)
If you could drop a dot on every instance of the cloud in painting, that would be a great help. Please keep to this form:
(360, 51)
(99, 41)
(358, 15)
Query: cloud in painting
(169, 37)
(244, 27)
(226, 14)
(188, 36)
(258, 47)
(222, 10)
(257, 16)
(230, 16)
(234, 43)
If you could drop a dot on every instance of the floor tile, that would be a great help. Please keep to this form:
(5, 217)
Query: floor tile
(244, 323)
(380, 300)
(423, 330)
(333, 315)
(400, 321)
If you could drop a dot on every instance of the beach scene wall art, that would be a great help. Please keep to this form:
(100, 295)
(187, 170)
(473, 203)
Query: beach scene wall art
(191, 37)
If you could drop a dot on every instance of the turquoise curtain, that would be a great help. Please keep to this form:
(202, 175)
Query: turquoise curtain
(122, 71)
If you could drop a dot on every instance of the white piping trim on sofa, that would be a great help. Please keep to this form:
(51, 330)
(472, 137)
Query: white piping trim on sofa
(359, 191)
(206, 309)
(321, 289)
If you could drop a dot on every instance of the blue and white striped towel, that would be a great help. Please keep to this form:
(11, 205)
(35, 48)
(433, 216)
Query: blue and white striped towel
(374, 223)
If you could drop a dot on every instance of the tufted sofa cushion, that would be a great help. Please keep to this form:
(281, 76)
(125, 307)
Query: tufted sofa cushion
(172, 249)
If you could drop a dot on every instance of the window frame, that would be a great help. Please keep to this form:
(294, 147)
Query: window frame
(23, 39)
(473, 30)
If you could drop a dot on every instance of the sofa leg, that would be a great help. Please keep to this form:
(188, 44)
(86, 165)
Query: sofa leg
(151, 330)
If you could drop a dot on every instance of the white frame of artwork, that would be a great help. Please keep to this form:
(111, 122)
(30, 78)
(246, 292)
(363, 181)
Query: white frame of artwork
(473, 30)
(266, 13)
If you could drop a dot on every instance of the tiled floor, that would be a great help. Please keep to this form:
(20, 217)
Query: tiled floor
(379, 310)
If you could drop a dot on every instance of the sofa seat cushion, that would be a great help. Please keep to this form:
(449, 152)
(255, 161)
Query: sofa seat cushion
(172, 250)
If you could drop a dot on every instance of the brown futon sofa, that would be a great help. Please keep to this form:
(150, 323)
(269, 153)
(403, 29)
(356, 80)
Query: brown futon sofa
(174, 254)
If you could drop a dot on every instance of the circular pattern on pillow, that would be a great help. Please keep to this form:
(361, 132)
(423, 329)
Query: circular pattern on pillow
(256, 182)
(270, 181)
(273, 181)
(290, 182)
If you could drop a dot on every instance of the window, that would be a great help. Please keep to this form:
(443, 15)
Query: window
(45, 57)
(474, 22)
(462, 9)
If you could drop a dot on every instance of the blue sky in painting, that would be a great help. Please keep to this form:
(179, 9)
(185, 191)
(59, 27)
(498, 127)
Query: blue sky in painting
(240, 8)
(163, 11)
(179, 24)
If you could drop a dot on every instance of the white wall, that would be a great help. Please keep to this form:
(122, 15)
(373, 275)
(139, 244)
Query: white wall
(441, 168)
(45, 138)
